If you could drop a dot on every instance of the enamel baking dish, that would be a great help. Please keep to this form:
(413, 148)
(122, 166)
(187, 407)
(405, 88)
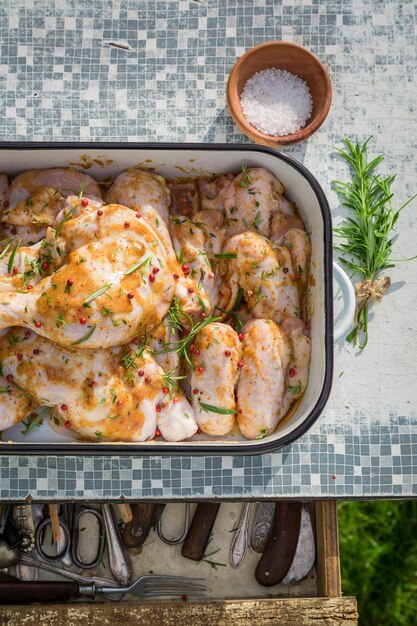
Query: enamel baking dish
(103, 161)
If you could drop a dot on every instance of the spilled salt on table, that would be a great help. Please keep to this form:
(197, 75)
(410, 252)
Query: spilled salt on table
(276, 102)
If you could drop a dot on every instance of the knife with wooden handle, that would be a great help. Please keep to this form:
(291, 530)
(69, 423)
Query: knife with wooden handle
(45, 591)
(282, 544)
(198, 536)
(305, 553)
(136, 531)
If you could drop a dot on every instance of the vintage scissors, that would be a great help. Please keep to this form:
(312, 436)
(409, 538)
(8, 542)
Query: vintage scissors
(70, 531)
(174, 541)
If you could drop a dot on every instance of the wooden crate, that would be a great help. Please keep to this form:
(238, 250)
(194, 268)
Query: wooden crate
(328, 608)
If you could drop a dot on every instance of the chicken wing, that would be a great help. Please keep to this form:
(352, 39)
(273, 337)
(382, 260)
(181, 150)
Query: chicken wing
(251, 200)
(189, 242)
(265, 274)
(261, 386)
(214, 376)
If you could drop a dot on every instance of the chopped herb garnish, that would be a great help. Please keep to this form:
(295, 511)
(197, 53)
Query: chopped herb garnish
(246, 178)
(259, 296)
(257, 221)
(97, 293)
(294, 389)
(62, 222)
(106, 311)
(213, 564)
(6, 249)
(14, 340)
(12, 257)
(36, 420)
(144, 263)
(177, 319)
(216, 409)
(170, 379)
(85, 337)
(201, 303)
(60, 321)
(81, 259)
(263, 433)
(226, 255)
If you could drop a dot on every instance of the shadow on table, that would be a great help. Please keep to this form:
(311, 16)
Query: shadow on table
(231, 134)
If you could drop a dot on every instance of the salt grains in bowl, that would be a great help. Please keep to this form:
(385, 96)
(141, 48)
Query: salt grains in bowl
(279, 93)
(276, 102)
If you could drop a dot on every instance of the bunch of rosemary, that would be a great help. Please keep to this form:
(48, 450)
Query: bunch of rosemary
(366, 231)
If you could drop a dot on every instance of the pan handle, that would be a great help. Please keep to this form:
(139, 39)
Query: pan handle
(344, 324)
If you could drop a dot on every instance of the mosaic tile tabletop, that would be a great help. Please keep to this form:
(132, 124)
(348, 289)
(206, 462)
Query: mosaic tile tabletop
(60, 80)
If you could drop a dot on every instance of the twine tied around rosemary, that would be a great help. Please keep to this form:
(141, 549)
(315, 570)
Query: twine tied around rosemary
(372, 289)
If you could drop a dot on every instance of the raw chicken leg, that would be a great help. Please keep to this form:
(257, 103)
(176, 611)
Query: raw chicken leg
(100, 395)
(35, 197)
(261, 386)
(116, 283)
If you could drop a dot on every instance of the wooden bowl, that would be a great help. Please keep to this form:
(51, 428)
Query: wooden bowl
(293, 58)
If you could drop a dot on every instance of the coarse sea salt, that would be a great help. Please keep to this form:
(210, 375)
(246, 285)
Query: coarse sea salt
(276, 102)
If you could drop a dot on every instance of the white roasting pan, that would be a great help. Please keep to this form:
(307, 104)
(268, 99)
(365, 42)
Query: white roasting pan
(103, 161)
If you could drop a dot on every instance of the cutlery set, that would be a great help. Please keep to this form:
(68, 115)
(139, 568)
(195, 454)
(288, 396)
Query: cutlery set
(37, 537)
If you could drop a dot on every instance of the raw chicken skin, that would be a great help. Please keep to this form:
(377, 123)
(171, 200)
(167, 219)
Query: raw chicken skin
(213, 192)
(220, 350)
(265, 274)
(4, 188)
(110, 258)
(189, 243)
(35, 197)
(102, 291)
(136, 188)
(251, 200)
(261, 386)
(97, 395)
(15, 404)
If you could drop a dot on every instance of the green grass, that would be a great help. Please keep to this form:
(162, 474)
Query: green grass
(378, 550)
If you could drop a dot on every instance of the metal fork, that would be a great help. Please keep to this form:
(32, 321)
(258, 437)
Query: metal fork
(151, 587)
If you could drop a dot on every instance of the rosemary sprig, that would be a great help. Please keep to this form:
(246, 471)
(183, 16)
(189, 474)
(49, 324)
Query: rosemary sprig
(12, 256)
(71, 211)
(136, 266)
(36, 420)
(216, 409)
(85, 337)
(6, 248)
(233, 311)
(366, 232)
(178, 319)
(226, 255)
(97, 293)
(171, 380)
